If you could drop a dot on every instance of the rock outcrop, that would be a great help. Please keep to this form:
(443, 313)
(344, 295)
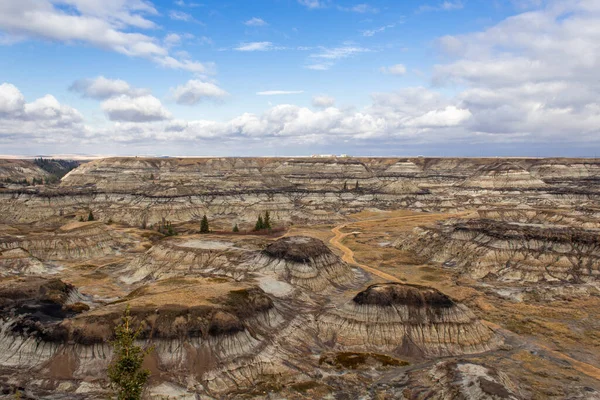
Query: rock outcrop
(502, 175)
(510, 252)
(409, 320)
(306, 262)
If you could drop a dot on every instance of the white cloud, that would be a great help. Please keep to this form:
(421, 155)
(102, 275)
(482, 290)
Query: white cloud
(397, 69)
(255, 22)
(194, 91)
(313, 4)
(180, 16)
(337, 53)
(135, 109)
(373, 32)
(278, 92)
(447, 5)
(323, 101)
(102, 88)
(256, 46)
(531, 78)
(449, 116)
(327, 56)
(12, 101)
(42, 120)
(360, 8)
(105, 24)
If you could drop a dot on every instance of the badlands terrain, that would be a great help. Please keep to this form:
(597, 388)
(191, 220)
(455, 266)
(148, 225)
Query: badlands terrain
(381, 278)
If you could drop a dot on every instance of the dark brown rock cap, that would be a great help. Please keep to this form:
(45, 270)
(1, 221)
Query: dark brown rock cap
(299, 249)
(394, 294)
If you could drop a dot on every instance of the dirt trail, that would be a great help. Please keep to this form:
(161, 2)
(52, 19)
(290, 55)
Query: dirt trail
(348, 256)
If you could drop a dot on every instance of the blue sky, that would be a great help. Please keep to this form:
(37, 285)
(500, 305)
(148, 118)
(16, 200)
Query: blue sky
(297, 77)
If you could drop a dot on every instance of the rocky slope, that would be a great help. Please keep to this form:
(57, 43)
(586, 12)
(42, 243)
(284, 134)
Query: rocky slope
(407, 320)
(510, 252)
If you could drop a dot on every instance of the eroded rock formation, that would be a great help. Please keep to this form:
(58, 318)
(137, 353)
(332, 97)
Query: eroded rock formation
(407, 320)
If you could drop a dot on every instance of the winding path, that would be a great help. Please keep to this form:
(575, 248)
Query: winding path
(348, 256)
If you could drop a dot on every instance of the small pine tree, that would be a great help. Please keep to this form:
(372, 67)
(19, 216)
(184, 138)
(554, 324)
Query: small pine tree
(259, 224)
(170, 231)
(90, 216)
(81, 218)
(125, 372)
(204, 228)
(267, 221)
(235, 228)
(345, 186)
(151, 177)
(356, 187)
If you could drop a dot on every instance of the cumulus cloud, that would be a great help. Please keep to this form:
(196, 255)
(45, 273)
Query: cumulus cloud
(397, 69)
(323, 101)
(44, 119)
(124, 108)
(102, 88)
(12, 101)
(195, 91)
(533, 74)
(278, 92)
(108, 25)
(255, 22)
(531, 78)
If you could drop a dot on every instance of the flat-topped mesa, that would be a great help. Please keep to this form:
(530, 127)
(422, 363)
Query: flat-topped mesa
(522, 253)
(408, 320)
(306, 262)
(502, 175)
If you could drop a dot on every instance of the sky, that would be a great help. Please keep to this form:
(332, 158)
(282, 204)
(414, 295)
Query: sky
(300, 77)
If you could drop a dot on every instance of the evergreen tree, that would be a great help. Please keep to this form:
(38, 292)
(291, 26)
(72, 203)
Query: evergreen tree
(204, 228)
(90, 216)
(356, 187)
(267, 220)
(125, 372)
(345, 186)
(81, 218)
(259, 224)
(235, 228)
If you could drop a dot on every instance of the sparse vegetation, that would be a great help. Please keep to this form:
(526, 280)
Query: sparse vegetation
(90, 216)
(56, 168)
(166, 228)
(126, 374)
(263, 223)
(204, 227)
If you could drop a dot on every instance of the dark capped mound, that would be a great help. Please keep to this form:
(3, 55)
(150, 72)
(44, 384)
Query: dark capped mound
(37, 306)
(179, 308)
(391, 294)
(299, 249)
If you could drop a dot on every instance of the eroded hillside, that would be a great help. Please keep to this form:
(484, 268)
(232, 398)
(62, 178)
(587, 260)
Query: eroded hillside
(413, 278)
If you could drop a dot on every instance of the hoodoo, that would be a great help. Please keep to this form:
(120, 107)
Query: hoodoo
(408, 320)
